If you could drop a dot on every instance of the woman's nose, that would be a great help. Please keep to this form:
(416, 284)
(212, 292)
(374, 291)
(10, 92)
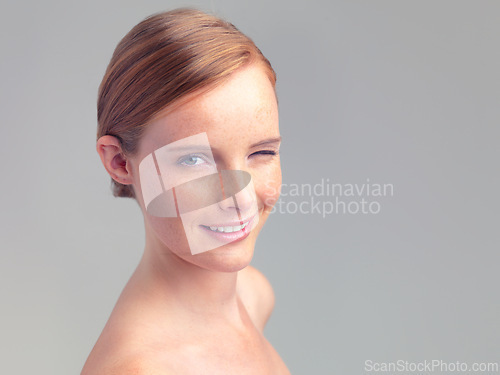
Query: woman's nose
(238, 191)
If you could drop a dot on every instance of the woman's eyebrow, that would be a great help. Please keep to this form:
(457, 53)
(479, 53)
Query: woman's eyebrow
(266, 141)
(203, 147)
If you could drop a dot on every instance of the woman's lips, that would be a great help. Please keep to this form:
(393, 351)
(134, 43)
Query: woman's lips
(230, 232)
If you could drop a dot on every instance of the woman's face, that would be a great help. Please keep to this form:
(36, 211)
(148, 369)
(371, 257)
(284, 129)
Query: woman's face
(233, 127)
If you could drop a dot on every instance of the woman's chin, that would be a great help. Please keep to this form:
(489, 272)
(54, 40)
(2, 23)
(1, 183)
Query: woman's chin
(231, 257)
(208, 250)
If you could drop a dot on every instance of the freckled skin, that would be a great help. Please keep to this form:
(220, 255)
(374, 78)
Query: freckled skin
(241, 112)
(189, 314)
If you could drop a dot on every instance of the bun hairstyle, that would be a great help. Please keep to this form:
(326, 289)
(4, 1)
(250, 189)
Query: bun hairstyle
(161, 60)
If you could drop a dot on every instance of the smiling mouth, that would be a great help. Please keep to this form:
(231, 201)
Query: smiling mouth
(226, 228)
(233, 227)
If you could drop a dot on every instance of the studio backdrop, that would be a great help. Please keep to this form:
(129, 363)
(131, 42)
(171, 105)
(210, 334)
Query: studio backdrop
(383, 249)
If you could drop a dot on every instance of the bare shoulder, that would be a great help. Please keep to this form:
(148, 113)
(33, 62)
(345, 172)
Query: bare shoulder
(121, 350)
(126, 364)
(139, 366)
(257, 295)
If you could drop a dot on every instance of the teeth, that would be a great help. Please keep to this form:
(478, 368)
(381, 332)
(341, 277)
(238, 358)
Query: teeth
(229, 229)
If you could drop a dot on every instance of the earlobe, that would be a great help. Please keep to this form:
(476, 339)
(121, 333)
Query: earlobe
(113, 159)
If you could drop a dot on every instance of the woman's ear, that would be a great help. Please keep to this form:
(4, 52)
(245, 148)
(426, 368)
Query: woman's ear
(113, 159)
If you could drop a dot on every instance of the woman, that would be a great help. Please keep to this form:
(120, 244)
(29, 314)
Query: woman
(188, 127)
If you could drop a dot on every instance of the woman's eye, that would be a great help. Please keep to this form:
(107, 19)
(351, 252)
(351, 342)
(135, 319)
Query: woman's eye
(265, 152)
(191, 160)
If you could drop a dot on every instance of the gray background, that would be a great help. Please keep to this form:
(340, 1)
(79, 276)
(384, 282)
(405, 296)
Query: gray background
(401, 92)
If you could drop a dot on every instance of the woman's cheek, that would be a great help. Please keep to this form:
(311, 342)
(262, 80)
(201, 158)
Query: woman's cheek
(268, 188)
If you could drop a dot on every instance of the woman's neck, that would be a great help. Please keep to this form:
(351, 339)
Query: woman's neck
(177, 285)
